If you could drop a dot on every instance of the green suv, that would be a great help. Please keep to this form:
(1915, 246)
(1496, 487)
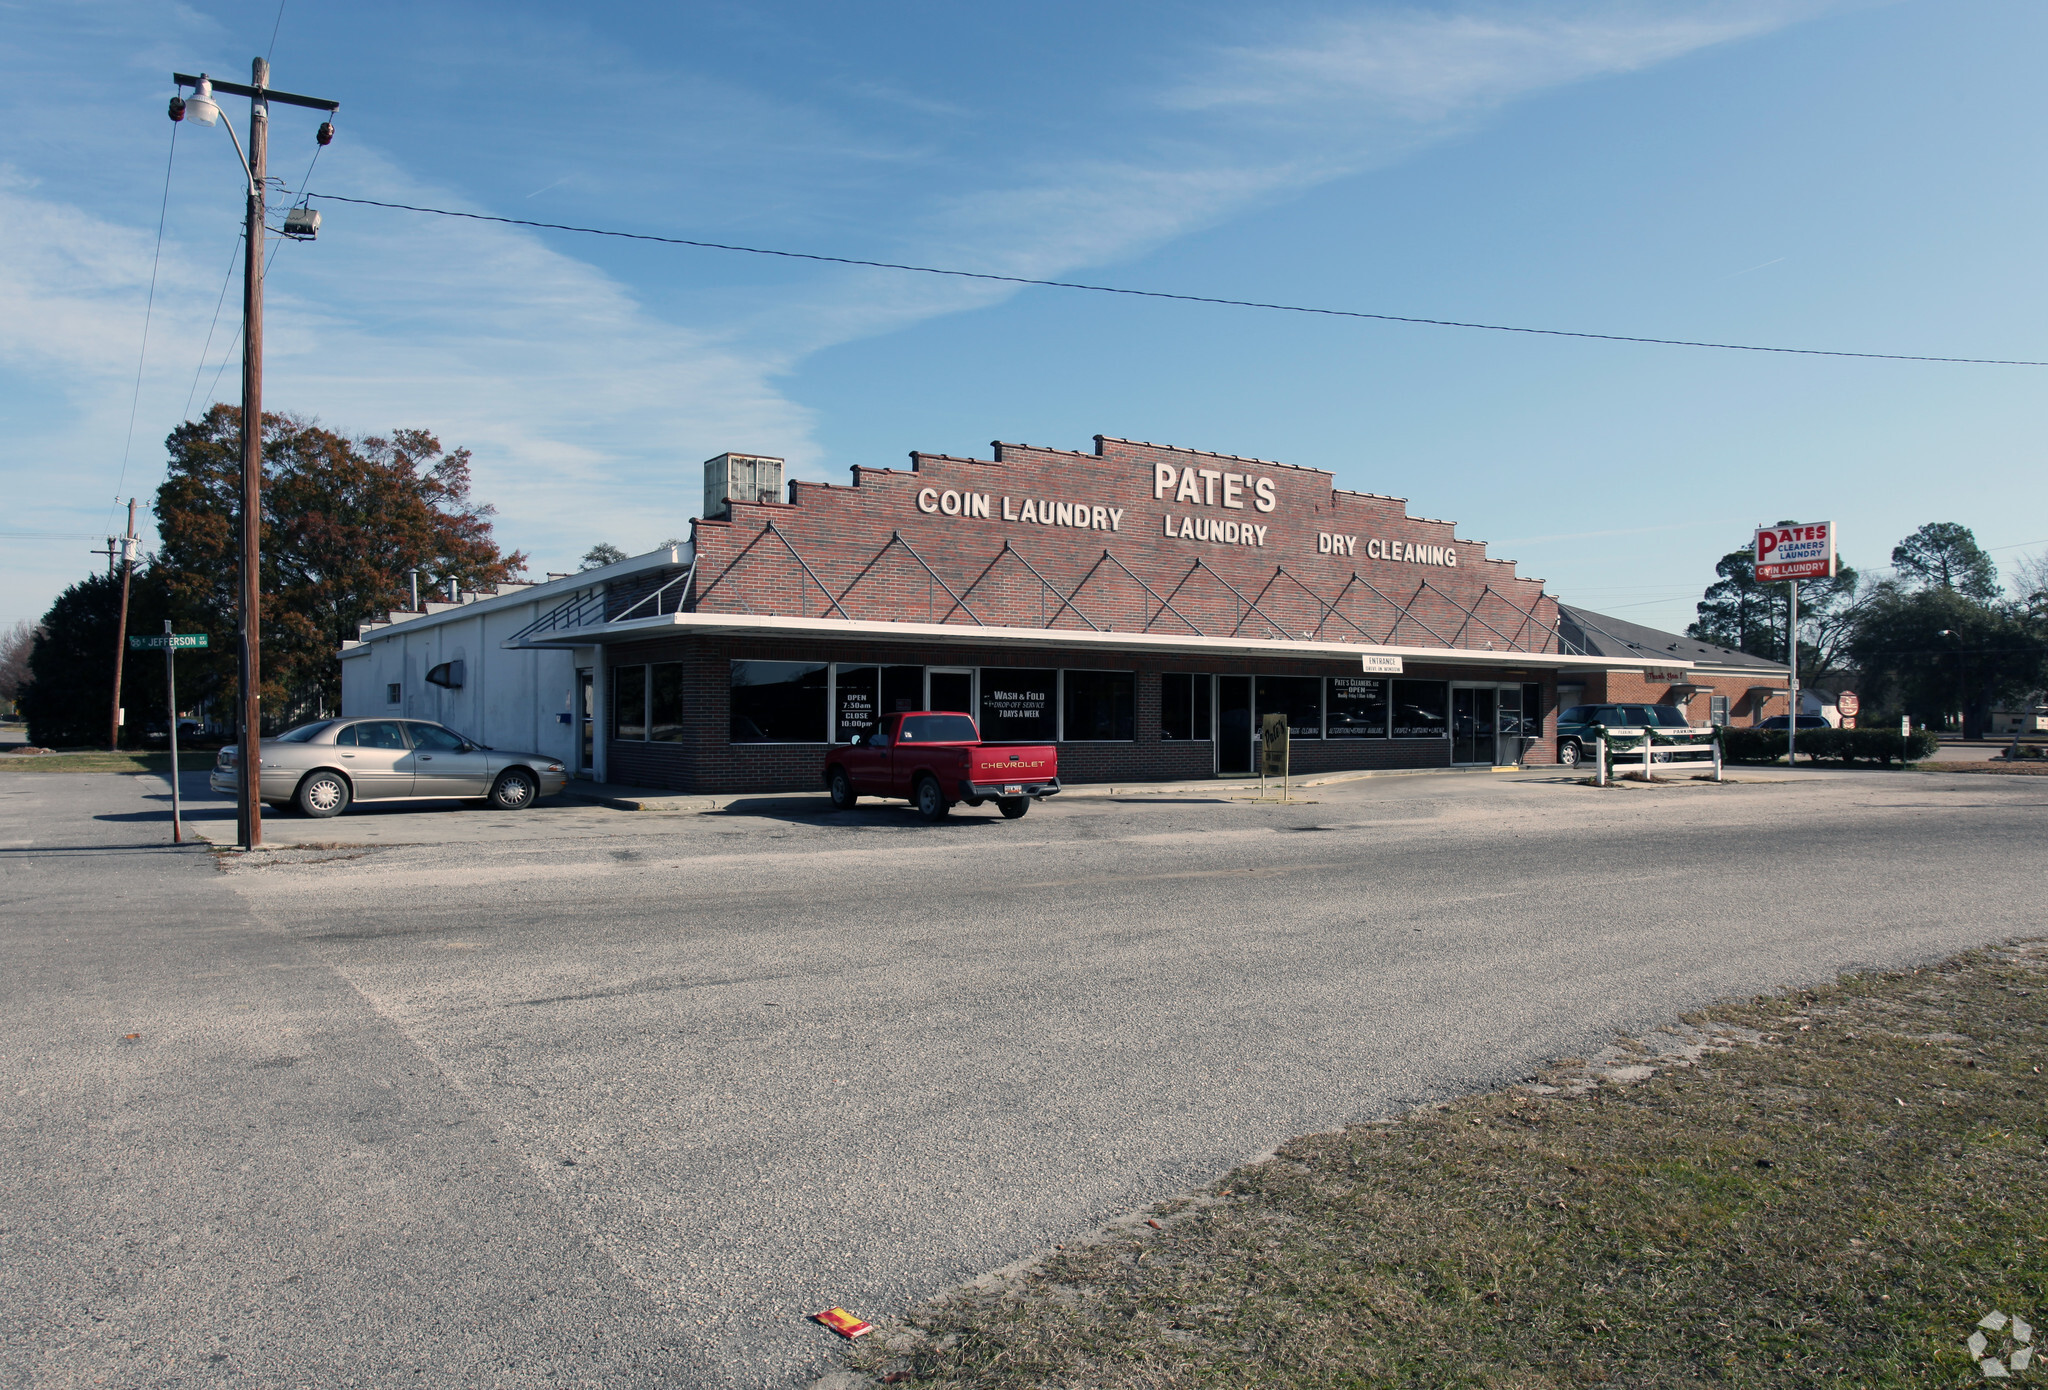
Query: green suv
(1576, 727)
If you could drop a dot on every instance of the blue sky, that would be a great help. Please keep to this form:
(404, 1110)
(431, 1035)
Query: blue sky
(1865, 176)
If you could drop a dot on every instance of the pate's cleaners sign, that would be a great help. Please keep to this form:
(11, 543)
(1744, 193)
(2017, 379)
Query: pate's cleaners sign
(1795, 551)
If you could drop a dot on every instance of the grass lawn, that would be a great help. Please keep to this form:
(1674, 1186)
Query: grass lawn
(1832, 1195)
(159, 763)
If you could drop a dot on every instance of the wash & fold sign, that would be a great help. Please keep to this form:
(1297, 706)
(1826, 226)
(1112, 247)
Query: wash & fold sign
(1795, 551)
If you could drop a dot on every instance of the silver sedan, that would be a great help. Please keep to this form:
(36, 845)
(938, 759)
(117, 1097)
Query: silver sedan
(324, 766)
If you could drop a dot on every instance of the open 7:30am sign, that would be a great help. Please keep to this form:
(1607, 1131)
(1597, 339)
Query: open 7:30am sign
(1795, 551)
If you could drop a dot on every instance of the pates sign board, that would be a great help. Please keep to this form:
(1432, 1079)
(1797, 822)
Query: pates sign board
(1795, 551)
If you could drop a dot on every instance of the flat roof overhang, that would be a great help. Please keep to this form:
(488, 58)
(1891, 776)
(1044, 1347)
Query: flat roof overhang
(965, 635)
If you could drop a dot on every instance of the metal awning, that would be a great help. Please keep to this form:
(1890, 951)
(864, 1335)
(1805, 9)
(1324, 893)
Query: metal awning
(1011, 638)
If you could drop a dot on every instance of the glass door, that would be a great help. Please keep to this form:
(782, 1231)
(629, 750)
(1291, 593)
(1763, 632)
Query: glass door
(1234, 725)
(950, 689)
(1474, 710)
(586, 703)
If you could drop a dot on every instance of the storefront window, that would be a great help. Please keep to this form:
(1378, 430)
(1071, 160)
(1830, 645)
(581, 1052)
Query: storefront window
(778, 701)
(666, 688)
(902, 689)
(1184, 706)
(1358, 707)
(1100, 706)
(629, 702)
(1421, 709)
(1300, 698)
(1018, 705)
(855, 711)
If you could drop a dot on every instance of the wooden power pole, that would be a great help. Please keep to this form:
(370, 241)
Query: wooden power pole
(249, 765)
(121, 628)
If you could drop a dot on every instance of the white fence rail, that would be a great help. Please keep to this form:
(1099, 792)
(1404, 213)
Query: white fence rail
(1652, 746)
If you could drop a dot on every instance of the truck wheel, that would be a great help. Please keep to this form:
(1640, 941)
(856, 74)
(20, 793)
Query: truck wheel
(931, 799)
(841, 788)
(1013, 807)
(1567, 755)
(323, 794)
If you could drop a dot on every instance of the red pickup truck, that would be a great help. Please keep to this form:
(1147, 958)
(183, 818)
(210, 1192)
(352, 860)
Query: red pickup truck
(934, 759)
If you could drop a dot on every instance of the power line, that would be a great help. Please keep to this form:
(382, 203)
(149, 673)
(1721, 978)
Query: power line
(149, 308)
(273, 33)
(207, 346)
(1183, 298)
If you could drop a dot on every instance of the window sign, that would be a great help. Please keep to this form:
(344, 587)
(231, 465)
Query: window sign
(1017, 705)
(778, 701)
(1300, 698)
(629, 702)
(858, 709)
(1422, 709)
(1358, 707)
(1100, 706)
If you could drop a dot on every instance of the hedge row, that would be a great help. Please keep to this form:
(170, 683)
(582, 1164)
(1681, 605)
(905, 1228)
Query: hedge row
(1881, 746)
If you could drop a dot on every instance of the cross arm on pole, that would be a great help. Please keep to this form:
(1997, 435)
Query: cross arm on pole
(186, 79)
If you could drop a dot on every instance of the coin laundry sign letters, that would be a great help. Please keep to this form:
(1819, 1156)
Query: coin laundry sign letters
(1217, 488)
(1804, 551)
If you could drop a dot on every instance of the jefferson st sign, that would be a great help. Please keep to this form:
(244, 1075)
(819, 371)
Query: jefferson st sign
(1795, 551)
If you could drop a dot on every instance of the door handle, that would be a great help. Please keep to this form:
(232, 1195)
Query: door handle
(426, 757)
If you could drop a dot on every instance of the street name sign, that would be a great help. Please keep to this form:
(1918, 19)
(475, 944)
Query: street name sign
(1795, 551)
(178, 641)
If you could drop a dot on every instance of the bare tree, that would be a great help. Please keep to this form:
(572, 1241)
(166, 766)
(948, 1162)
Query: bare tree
(2029, 580)
(15, 645)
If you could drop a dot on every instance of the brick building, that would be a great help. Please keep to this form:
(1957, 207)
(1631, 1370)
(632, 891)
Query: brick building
(1143, 606)
(1713, 685)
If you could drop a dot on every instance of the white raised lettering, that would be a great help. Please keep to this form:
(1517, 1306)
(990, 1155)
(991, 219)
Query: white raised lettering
(1451, 557)
(1008, 515)
(1233, 491)
(977, 504)
(1264, 488)
(1098, 518)
(1209, 478)
(1322, 544)
(1162, 479)
(1170, 533)
(1351, 545)
(1261, 530)
(1030, 512)
(1116, 518)
(927, 499)
(1188, 531)
(1190, 489)
(949, 502)
(1230, 533)
(1063, 513)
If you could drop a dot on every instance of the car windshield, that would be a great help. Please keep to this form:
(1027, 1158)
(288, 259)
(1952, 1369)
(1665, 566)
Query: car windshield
(939, 728)
(306, 733)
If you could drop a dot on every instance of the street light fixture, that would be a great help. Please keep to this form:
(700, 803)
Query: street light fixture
(203, 108)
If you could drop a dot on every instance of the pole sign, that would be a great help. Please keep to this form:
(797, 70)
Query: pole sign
(1795, 551)
(178, 641)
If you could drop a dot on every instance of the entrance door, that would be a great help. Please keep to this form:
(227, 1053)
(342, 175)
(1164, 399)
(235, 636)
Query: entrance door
(1233, 725)
(586, 703)
(951, 690)
(1473, 711)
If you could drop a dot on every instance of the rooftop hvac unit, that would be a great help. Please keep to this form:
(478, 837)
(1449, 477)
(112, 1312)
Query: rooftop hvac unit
(739, 478)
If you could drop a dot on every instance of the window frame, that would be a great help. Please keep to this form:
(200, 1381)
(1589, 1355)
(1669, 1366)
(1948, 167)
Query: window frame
(1132, 675)
(830, 669)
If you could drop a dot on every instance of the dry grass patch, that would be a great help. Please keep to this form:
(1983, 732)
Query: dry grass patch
(102, 761)
(1826, 1190)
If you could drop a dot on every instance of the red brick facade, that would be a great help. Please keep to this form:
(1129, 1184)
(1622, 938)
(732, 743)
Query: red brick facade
(1135, 538)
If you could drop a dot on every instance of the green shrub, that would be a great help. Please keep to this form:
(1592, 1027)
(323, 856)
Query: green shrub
(1845, 746)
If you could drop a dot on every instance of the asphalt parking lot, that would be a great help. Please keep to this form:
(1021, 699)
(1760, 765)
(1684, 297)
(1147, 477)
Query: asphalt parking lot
(583, 1096)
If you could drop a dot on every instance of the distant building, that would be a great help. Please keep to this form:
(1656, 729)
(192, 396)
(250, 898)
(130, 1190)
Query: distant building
(1713, 685)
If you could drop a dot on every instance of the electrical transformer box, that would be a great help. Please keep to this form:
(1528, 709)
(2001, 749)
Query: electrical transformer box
(739, 478)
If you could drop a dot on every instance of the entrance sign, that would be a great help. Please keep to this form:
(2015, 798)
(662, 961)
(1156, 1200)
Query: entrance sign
(1805, 551)
(180, 641)
(1381, 665)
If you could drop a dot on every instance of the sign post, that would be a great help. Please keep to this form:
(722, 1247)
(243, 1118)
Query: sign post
(170, 642)
(1792, 552)
(1848, 704)
(1273, 752)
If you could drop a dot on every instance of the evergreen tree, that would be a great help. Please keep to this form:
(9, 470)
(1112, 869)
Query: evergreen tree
(1945, 555)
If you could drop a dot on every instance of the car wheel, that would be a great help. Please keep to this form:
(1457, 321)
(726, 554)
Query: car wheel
(324, 794)
(841, 788)
(1567, 755)
(931, 799)
(515, 790)
(1013, 807)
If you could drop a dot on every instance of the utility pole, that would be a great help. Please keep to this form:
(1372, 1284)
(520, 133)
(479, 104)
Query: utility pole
(249, 654)
(1792, 626)
(121, 628)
